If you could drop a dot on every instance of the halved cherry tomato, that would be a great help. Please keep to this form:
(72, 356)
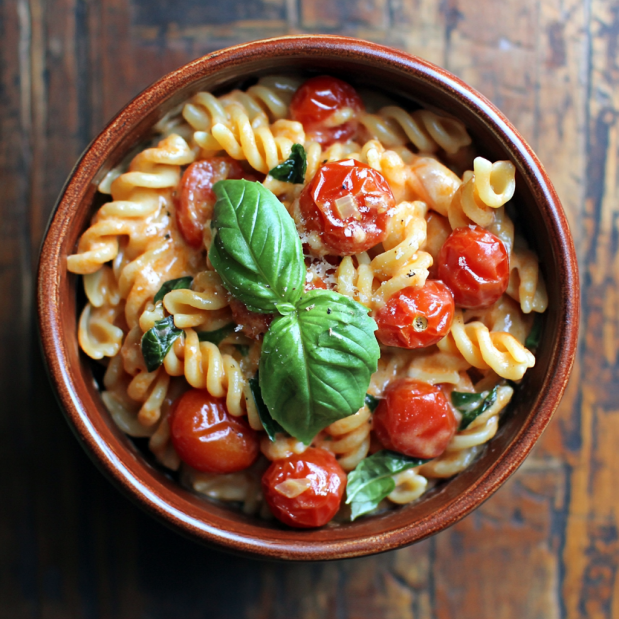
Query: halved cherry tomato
(416, 317)
(254, 324)
(414, 418)
(317, 100)
(208, 438)
(475, 265)
(349, 204)
(317, 478)
(196, 198)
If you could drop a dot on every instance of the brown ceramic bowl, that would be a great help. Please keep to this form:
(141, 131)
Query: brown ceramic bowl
(389, 71)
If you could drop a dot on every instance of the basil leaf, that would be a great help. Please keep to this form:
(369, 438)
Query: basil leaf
(157, 341)
(472, 405)
(316, 363)
(372, 480)
(534, 337)
(172, 284)
(269, 424)
(218, 335)
(256, 249)
(293, 169)
(371, 402)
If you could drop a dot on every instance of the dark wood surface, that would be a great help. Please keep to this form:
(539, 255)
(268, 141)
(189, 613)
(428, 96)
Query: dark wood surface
(545, 546)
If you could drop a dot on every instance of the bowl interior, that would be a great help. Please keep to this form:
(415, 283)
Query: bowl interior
(413, 83)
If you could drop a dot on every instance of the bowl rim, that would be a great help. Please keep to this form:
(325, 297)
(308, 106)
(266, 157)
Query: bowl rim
(146, 495)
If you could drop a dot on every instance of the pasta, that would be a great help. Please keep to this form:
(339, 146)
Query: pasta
(148, 285)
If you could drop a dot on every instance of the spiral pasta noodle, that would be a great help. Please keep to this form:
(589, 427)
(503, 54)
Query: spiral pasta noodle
(484, 349)
(466, 444)
(205, 367)
(349, 438)
(426, 130)
(526, 282)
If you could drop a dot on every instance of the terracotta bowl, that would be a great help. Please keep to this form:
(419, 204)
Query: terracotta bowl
(405, 77)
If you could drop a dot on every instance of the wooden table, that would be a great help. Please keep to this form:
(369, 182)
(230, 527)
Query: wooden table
(545, 546)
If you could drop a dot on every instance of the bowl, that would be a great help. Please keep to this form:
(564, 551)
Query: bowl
(213, 524)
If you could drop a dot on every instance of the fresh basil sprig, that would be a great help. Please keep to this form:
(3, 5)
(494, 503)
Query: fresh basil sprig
(316, 362)
(172, 284)
(318, 355)
(157, 341)
(256, 249)
(293, 169)
(534, 337)
(269, 424)
(472, 405)
(217, 335)
(372, 480)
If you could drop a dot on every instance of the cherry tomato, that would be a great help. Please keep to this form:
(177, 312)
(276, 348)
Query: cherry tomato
(254, 324)
(414, 418)
(315, 505)
(416, 317)
(317, 100)
(207, 437)
(349, 204)
(475, 265)
(196, 197)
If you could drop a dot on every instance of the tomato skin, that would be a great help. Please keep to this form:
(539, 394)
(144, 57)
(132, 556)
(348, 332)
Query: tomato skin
(254, 324)
(415, 419)
(371, 194)
(207, 437)
(196, 198)
(316, 100)
(474, 264)
(396, 320)
(320, 502)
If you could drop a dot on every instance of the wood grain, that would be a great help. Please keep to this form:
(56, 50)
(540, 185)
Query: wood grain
(546, 545)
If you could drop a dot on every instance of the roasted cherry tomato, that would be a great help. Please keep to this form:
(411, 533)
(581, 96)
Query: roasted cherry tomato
(349, 205)
(254, 324)
(416, 317)
(414, 418)
(208, 438)
(314, 104)
(475, 265)
(305, 490)
(196, 198)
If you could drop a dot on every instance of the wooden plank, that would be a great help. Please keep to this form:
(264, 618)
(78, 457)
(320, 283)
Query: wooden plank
(420, 27)
(503, 560)
(591, 585)
(18, 554)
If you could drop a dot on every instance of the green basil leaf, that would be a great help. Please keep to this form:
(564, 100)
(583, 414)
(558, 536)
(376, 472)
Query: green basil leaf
(371, 402)
(269, 424)
(472, 405)
(172, 284)
(157, 341)
(372, 480)
(534, 337)
(218, 335)
(293, 169)
(316, 363)
(256, 249)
